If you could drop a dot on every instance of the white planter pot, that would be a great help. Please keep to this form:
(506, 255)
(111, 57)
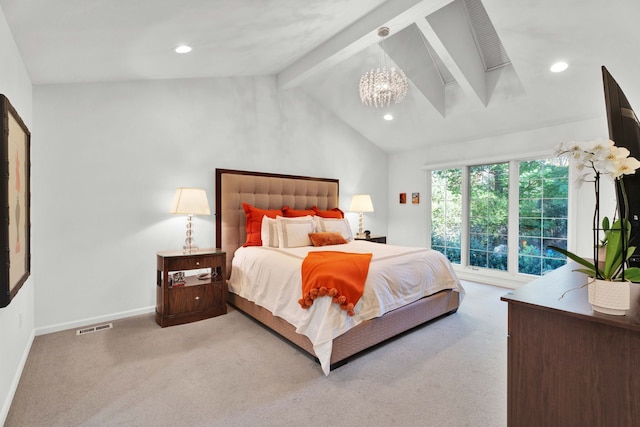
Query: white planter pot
(609, 297)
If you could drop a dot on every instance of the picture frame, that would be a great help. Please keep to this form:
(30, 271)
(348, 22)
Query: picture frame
(403, 198)
(15, 202)
(415, 198)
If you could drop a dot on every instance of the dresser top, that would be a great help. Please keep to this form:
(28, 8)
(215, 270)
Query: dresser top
(565, 291)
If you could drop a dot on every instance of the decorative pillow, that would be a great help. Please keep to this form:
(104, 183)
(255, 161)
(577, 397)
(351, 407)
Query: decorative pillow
(336, 225)
(294, 232)
(269, 232)
(254, 223)
(331, 213)
(292, 213)
(327, 238)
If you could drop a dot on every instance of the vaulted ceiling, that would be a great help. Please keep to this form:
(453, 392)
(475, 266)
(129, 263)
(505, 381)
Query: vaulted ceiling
(476, 68)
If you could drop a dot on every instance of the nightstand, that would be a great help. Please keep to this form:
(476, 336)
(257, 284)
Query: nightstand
(373, 238)
(190, 287)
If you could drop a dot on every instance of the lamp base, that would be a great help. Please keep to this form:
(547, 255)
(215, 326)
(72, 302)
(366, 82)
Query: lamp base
(189, 247)
(188, 250)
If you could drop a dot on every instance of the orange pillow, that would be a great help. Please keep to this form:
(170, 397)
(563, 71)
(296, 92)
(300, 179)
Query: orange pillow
(331, 213)
(327, 238)
(292, 213)
(254, 223)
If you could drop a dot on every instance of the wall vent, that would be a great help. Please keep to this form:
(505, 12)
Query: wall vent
(91, 329)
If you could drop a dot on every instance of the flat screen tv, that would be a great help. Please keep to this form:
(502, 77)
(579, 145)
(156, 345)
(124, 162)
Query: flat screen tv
(624, 130)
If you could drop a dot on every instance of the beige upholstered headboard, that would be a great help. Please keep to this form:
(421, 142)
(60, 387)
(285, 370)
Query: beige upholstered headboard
(264, 191)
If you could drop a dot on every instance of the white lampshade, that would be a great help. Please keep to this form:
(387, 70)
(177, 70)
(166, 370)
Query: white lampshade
(190, 201)
(361, 203)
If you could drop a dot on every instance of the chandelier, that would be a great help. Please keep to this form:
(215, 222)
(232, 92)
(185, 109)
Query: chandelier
(381, 86)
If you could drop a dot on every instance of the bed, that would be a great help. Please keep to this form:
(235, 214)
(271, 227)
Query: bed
(273, 191)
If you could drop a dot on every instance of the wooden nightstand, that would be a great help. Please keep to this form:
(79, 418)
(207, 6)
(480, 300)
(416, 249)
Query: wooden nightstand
(373, 238)
(193, 298)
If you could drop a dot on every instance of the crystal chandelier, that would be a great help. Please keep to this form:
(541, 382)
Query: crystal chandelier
(381, 86)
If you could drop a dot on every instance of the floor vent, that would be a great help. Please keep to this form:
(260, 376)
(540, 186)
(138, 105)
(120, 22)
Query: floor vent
(91, 329)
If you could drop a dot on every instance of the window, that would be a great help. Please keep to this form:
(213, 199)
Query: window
(542, 213)
(446, 205)
(470, 215)
(489, 216)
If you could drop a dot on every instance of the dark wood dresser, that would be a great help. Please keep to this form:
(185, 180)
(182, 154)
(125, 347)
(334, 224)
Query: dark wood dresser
(568, 365)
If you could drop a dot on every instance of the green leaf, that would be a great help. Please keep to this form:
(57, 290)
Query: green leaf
(614, 250)
(632, 274)
(615, 257)
(576, 258)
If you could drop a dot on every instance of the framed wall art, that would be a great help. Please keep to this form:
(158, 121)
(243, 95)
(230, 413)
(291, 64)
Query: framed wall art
(15, 204)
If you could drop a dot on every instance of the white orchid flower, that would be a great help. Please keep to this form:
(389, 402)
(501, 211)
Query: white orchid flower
(626, 166)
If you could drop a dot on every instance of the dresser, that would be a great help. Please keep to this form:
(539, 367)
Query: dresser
(568, 365)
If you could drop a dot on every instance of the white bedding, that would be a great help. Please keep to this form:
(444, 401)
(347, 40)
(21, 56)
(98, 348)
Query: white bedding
(271, 278)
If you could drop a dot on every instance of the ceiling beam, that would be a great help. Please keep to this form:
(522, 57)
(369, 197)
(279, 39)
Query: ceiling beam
(449, 32)
(395, 14)
(408, 50)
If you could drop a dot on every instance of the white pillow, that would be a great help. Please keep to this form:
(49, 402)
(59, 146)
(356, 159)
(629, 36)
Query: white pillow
(336, 225)
(294, 232)
(269, 232)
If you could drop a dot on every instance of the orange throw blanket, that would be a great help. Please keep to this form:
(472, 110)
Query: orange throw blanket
(340, 275)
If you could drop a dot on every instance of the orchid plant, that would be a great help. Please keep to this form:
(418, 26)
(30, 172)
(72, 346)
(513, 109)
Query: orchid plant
(592, 160)
(599, 157)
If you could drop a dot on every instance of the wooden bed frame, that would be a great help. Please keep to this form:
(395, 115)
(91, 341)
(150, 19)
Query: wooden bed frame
(273, 191)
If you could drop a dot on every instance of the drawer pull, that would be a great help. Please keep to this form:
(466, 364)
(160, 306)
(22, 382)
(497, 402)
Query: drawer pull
(197, 297)
(197, 262)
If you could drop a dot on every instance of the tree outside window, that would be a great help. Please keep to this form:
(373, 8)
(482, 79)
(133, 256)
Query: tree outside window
(446, 208)
(542, 214)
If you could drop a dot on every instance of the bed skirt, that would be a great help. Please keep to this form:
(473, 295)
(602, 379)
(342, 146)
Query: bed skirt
(365, 335)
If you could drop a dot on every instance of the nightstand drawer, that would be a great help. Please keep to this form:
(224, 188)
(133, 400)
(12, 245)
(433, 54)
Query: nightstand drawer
(192, 299)
(193, 263)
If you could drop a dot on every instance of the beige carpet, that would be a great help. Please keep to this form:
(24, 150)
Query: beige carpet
(229, 371)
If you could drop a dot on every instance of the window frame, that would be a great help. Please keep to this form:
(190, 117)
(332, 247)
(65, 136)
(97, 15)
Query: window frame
(510, 278)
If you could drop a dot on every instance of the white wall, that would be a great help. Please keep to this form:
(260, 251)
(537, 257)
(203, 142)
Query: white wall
(109, 159)
(408, 224)
(17, 319)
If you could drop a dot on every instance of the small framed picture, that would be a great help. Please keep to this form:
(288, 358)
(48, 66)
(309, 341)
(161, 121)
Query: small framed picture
(403, 198)
(415, 198)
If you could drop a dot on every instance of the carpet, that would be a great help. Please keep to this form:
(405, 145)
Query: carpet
(230, 371)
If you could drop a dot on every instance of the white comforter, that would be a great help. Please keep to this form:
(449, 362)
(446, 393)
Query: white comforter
(271, 278)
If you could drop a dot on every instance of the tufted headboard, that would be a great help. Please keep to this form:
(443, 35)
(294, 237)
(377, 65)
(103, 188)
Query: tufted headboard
(264, 191)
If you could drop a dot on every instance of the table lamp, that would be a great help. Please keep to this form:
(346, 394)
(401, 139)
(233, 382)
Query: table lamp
(361, 203)
(190, 202)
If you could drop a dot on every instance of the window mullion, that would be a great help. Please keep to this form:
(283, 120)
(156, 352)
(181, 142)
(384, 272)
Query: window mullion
(514, 216)
(429, 196)
(464, 238)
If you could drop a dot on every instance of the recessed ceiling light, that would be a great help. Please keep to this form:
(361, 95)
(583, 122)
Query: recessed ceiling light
(559, 67)
(388, 117)
(183, 49)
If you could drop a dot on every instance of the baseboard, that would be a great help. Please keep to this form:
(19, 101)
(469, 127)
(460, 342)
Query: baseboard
(16, 380)
(92, 320)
